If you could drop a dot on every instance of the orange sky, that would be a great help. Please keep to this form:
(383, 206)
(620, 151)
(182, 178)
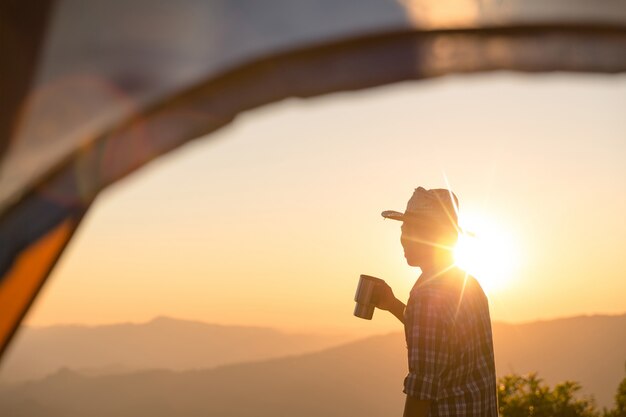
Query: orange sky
(271, 220)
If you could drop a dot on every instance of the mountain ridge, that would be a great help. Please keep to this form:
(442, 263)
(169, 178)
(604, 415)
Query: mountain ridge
(587, 349)
(161, 342)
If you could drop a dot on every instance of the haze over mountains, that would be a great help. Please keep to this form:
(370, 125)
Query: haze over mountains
(358, 378)
(590, 350)
(162, 343)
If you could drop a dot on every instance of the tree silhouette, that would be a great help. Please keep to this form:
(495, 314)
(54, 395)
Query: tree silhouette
(529, 396)
(620, 401)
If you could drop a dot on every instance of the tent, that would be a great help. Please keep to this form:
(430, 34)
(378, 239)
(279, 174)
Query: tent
(92, 91)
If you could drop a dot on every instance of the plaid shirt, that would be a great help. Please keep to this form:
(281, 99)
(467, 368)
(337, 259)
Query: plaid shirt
(450, 348)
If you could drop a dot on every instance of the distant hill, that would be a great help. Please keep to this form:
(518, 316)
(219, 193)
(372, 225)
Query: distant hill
(587, 349)
(361, 378)
(161, 343)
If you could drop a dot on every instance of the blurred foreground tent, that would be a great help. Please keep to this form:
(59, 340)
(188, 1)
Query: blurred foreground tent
(93, 90)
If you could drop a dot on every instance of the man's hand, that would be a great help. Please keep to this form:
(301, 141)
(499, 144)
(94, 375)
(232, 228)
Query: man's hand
(385, 300)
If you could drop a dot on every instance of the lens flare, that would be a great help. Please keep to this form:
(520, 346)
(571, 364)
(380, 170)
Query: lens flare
(488, 253)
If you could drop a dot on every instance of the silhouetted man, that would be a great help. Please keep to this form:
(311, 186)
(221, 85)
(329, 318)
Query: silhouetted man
(446, 319)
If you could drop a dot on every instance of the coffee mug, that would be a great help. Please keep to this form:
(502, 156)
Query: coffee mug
(366, 296)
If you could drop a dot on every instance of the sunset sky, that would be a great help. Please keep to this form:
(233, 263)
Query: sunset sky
(271, 220)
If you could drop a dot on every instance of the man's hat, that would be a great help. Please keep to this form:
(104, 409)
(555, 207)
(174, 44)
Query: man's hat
(437, 205)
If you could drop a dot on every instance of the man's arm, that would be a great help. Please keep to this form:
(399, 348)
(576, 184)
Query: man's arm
(426, 329)
(398, 310)
(416, 408)
(387, 301)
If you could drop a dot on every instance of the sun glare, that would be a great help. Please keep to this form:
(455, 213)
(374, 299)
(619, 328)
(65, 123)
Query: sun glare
(486, 251)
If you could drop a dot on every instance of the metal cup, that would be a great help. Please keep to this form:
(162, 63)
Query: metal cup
(366, 296)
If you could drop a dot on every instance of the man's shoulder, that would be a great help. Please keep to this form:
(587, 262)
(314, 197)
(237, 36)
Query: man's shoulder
(448, 288)
(453, 280)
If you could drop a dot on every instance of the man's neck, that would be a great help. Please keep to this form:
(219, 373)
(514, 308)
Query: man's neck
(433, 269)
(433, 272)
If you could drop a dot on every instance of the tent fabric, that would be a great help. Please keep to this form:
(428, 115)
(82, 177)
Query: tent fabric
(23, 281)
(22, 29)
(120, 83)
(104, 62)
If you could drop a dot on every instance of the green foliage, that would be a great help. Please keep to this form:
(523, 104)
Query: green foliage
(620, 402)
(528, 396)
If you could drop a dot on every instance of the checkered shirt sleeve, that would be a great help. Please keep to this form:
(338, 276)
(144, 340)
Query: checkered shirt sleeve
(426, 329)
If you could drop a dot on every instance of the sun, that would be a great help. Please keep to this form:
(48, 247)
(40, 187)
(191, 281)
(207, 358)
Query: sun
(487, 251)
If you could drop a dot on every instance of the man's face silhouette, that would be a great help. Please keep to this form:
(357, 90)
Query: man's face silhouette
(424, 242)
